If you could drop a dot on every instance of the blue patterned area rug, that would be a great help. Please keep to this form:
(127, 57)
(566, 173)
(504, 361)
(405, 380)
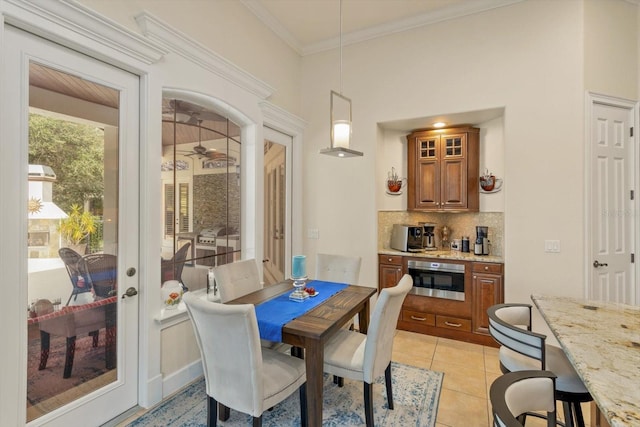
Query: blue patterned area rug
(415, 396)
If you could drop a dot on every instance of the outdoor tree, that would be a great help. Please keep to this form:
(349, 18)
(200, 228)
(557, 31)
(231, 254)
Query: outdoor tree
(76, 154)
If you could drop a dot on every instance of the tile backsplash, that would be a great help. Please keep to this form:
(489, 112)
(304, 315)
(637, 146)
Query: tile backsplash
(459, 224)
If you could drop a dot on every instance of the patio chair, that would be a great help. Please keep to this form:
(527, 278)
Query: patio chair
(172, 268)
(77, 271)
(102, 269)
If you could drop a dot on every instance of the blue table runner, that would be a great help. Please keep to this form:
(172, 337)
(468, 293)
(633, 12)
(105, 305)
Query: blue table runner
(274, 314)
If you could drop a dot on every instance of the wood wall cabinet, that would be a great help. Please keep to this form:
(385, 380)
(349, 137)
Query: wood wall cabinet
(389, 270)
(443, 170)
(487, 290)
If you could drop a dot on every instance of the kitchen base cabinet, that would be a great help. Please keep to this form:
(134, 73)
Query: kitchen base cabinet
(487, 290)
(389, 270)
(459, 320)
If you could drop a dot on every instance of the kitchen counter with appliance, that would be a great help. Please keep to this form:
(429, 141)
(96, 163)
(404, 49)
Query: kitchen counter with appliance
(445, 254)
(451, 291)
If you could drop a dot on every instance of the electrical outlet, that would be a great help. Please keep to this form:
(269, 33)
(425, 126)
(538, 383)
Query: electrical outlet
(552, 246)
(312, 233)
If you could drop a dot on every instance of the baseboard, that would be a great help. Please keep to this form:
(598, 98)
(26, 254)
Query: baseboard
(179, 379)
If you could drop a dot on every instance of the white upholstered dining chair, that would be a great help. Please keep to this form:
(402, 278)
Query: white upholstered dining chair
(338, 268)
(364, 358)
(237, 279)
(522, 349)
(516, 393)
(239, 373)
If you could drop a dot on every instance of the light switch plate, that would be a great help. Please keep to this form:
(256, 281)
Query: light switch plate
(552, 246)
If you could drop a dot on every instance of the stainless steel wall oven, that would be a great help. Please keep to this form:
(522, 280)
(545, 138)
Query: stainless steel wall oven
(437, 279)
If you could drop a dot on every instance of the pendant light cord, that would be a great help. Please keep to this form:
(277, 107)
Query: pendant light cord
(340, 47)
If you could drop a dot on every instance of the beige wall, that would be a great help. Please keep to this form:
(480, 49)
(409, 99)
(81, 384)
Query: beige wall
(527, 58)
(611, 48)
(227, 28)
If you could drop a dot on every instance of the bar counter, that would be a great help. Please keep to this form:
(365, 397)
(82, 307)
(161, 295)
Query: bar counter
(602, 341)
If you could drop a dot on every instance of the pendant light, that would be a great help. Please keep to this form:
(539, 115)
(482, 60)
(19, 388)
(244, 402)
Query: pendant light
(340, 121)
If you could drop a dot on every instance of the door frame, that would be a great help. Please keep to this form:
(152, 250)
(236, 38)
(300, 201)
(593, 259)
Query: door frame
(591, 99)
(76, 27)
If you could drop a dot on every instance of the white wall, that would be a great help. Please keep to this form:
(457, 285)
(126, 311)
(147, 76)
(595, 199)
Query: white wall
(527, 58)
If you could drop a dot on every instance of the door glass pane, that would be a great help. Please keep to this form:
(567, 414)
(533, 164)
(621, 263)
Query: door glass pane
(275, 211)
(201, 181)
(72, 238)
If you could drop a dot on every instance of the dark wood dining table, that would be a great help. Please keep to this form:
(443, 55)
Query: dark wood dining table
(311, 330)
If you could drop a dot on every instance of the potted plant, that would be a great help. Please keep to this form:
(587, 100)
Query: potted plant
(76, 228)
(394, 182)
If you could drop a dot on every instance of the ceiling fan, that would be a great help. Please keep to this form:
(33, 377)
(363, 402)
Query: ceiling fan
(200, 150)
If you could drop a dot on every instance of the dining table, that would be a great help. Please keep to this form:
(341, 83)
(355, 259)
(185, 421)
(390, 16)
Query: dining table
(311, 329)
(602, 342)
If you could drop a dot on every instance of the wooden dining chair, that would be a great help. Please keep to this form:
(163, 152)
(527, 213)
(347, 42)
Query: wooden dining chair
(360, 357)
(517, 393)
(521, 349)
(238, 372)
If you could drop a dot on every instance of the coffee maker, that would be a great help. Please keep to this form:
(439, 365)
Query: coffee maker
(428, 236)
(481, 246)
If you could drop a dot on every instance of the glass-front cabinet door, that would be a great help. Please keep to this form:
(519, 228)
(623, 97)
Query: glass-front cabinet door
(201, 191)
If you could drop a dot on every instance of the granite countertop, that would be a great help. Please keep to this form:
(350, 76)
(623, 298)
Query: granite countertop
(444, 254)
(602, 341)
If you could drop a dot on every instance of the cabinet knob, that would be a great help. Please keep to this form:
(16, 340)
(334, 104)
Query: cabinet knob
(390, 259)
(486, 267)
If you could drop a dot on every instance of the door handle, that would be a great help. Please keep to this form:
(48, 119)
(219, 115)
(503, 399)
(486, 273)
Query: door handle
(597, 264)
(131, 292)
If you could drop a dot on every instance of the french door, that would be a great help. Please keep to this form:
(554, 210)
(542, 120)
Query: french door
(277, 217)
(49, 93)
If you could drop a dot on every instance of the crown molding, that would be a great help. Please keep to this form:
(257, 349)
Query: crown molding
(280, 119)
(456, 11)
(183, 45)
(74, 25)
(272, 23)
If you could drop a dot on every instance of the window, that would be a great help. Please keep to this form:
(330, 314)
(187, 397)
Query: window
(201, 184)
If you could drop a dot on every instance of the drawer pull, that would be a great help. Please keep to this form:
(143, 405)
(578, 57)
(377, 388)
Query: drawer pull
(486, 267)
(421, 319)
(455, 325)
(390, 259)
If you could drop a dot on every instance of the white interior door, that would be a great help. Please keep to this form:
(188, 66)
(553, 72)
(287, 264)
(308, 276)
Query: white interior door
(277, 193)
(119, 129)
(612, 226)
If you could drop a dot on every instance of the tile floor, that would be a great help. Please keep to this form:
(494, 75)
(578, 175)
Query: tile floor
(469, 370)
